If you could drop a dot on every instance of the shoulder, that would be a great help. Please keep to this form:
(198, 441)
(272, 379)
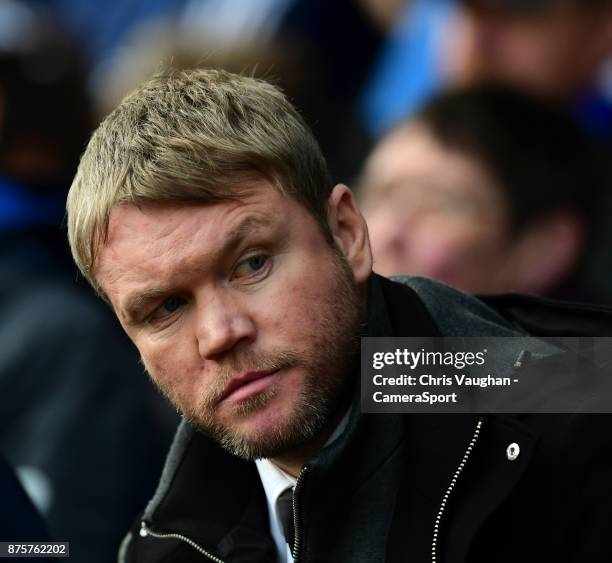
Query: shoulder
(457, 313)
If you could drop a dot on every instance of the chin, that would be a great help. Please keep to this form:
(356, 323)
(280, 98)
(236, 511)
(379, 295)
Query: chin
(272, 419)
(268, 431)
(258, 443)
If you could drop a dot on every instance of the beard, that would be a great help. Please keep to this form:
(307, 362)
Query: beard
(329, 358)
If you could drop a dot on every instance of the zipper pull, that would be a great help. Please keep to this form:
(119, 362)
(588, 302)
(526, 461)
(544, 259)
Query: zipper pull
(144, 532)
(523, 358)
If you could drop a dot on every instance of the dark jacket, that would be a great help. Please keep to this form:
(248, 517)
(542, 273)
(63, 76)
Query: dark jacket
(403, 488)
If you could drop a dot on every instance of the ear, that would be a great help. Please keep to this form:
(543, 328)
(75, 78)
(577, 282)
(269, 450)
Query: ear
(348, 227)
(547, 252)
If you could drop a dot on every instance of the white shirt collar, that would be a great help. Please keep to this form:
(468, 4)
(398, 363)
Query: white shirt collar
(275, 481)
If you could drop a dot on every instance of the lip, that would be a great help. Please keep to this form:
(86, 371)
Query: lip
(245, 385)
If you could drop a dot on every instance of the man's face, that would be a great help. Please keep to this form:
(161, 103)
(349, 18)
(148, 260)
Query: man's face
(555, 52)
(434, 212)
(243, 314)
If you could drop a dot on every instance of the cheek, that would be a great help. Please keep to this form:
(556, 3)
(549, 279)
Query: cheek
(173, 367)
(288, 308)
(382, 224)
(390, 239)
(443, 250)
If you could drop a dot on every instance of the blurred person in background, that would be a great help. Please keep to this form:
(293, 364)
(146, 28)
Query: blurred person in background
(167, 44)
(489, 190)
(77, 420)
(331, 43)
(320, 52)
(556, 48)
(411, 65)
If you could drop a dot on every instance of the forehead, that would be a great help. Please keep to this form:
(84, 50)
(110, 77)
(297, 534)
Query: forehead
(412, 157)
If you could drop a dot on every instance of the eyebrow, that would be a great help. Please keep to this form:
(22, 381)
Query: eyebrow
(134, 303)
(248, 226)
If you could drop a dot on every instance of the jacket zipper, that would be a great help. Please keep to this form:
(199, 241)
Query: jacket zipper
(297, 521)
(146, 531)
(436, 531)
(297, 525)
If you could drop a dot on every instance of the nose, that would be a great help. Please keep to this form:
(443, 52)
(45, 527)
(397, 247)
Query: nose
(222, 323)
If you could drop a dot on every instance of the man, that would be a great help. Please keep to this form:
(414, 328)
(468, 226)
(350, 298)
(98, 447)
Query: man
(557, 48)
(487, 189)
(554, 47)
(203, 213)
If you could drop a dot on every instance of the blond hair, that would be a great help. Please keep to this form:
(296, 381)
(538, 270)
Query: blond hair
(194, 136)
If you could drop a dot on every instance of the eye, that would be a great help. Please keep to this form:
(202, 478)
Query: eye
(251, 266)
(169, 306)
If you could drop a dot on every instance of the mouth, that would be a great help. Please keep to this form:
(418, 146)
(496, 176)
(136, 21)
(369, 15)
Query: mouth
(248, 384)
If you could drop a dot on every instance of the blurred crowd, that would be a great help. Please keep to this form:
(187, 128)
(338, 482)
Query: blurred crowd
(476, 134)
